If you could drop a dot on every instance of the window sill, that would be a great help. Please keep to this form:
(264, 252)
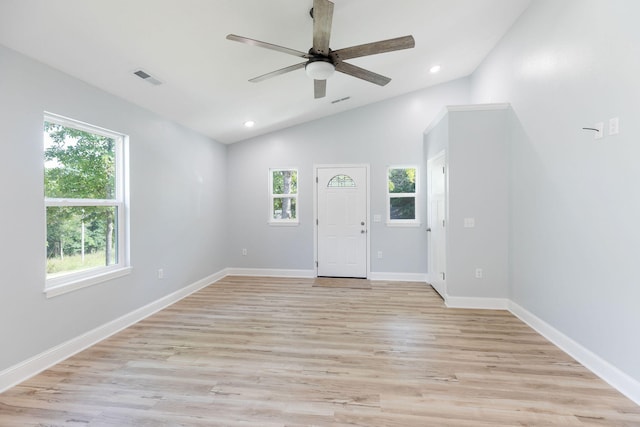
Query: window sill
(73, 285)
(403, 224)
(283, 223)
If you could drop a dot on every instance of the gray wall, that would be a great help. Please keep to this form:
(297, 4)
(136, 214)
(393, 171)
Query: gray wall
(574, 205)
(476, 145)
(382, 134)
(436, 136)
(177, 209)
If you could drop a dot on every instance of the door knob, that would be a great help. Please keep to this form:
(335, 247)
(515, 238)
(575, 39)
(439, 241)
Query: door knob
(362, 223)
(362, 231)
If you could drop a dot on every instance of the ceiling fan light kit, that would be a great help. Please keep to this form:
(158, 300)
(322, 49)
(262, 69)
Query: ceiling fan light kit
(322, 62)
(319, 70)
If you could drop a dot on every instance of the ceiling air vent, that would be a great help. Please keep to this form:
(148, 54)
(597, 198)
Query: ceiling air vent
(346, 98)
(147, 77)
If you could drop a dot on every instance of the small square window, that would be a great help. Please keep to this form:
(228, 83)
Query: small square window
(402, 208)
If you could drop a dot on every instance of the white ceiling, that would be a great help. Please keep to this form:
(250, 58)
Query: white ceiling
(205, 87)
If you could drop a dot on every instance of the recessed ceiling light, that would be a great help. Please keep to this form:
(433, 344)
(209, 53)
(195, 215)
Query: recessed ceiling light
(249, 123)
(434, 69)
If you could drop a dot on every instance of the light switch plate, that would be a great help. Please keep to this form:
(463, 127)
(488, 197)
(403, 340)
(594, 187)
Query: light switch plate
(614, 126)
(469, 222)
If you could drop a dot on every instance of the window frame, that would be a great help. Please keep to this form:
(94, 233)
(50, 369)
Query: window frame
(415, 222)
(272, 196)
(80, 279)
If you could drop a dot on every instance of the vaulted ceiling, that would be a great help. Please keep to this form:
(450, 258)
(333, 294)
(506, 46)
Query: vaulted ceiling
(204, 76)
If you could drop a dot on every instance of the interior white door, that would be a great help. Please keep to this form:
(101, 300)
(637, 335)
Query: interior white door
(437, 215)
(342, 221)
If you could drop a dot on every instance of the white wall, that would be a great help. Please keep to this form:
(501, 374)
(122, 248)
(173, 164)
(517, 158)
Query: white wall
(382, 134)
(177, 209)
(575, 203)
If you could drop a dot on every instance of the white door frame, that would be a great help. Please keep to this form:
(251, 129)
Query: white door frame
(315, 211)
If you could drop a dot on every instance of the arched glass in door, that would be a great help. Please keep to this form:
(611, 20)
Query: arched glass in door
(341, 181)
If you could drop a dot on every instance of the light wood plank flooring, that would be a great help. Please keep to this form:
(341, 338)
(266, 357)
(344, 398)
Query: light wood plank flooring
(326, 352)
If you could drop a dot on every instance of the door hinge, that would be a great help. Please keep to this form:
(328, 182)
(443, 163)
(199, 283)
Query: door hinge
(443, 275)
(316, 179)
(443, 169)
(443, 222)
(316, 264)
(317, 222)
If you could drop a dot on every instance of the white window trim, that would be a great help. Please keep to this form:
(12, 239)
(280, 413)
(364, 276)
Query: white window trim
(92, 277)
(402, 222)
(73, 281)
(283, 222)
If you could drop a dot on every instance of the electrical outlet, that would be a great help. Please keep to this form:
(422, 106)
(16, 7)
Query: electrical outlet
(379, 254)
(160, 273)
(244, 251)
(478, 273)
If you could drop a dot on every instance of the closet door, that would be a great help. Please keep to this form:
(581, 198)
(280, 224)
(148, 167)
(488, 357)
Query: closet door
(436, 196)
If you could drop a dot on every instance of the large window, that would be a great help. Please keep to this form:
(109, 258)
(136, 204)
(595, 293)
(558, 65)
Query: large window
(401, 195)
(283, 203)
(84, 182)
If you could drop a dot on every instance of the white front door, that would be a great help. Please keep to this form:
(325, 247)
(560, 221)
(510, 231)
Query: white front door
(437, 214)
(342, 221)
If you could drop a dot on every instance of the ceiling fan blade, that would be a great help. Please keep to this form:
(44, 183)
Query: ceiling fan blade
(319, 88)
(277, 72)
(266, 45)
(322, 18)
(361, 73)
(399, 43)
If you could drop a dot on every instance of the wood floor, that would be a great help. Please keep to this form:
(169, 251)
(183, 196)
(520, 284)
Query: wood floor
(325, 352)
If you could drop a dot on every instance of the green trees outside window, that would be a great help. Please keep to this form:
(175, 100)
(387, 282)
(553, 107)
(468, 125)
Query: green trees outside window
(402, 194)
(284, 194)
(81, 198)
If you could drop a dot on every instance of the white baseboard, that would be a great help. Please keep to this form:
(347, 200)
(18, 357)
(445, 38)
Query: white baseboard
(398, 277)
(271, 272)
(609, 373)
(476, 303)
(310, 274)
(33, 366)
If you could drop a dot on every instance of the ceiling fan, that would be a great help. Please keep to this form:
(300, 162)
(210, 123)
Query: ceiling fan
(321, 61)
